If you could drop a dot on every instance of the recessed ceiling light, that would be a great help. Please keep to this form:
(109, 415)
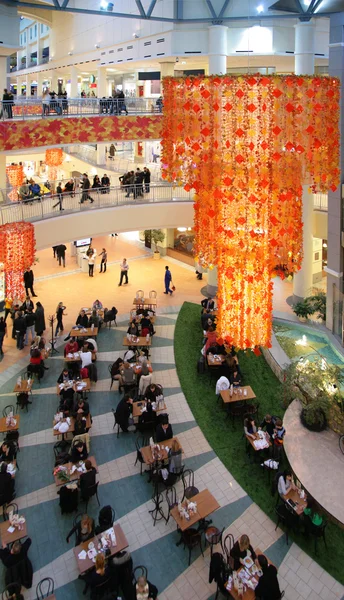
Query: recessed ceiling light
(260, 8)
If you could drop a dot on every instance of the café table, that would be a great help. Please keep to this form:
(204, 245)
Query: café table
(206, 505)
(87, 332)
(89, 311)
(147, 456)
(145, 302)
(236, 396)
(256, 437)
(9, 538)
(71, 427)
(86, 387)
(249, 594)
(301, 503)
(137, 406)
(76, 475)
(24, 387)
(138, 368)
(215, 362)
(4, 428)
(75, 357)
(87, 563)
(141, 341)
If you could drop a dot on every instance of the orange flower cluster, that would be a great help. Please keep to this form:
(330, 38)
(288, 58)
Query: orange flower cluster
(246, 145)
(17, 252)
(15, 174)
(54, 157)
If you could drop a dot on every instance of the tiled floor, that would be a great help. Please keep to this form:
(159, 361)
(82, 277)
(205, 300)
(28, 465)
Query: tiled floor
(120, 482)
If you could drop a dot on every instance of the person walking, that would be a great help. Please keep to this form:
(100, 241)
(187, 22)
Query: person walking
(103, 254)
(124, 271)
(8, 306)
(146, 179)
(40, 319)
(30, 319)
(168, 279)
(59, 196)
(20, 329)
(91, 261)
(85, 186)
(28, 282)
(61, 254)
(59, 314)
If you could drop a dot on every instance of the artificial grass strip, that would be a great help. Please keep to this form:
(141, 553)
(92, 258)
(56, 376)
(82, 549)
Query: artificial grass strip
(227, 440)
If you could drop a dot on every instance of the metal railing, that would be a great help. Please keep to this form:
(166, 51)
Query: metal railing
(28, 108)
(320, 202)
(44, 207)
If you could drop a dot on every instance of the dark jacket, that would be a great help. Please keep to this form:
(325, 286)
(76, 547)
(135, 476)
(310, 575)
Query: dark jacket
(161, 435)
(24, 307)
(268, 586)
(28, 278)
(87, 480)
(70, 377)
(61, 250)
(237, 554)
(9, 560)
(75, 455)
(20, 324)
(40, 320)
(85, 184)
(6, 487)
(30, 319)
(123, 412)
(86, 408)
(92, 578)
(79, 427)
(82, 320)
(79, 536)
(208, 304)
(18, 566)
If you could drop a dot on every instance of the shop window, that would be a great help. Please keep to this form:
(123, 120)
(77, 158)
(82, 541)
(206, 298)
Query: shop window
(36, 30)
(184, 240)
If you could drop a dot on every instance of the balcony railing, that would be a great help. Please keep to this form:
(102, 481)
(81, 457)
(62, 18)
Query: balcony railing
(33, 108)
(320, 202)
(38, 208)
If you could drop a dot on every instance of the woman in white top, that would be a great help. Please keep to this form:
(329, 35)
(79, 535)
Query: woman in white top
(45, 102)
(285, 483)
(91, 261)
(85, 357)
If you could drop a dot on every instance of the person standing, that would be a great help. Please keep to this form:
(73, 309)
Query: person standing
(8, 306)
(28, 282)
(103, 254)
(85, 186)
(61, 254)
(59, 314)
(91, 261)
(40, 319)
(30, 325)
(146, 179)
(124, 271)
(3, 333)
(59, 196)
(7, 100)
(20, 329)
(105, 184)
(168, 279)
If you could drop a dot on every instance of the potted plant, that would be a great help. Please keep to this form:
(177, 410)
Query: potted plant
(303, 309)
(318, 303)
(156, 237)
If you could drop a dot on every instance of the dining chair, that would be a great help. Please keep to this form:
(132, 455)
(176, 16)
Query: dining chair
(287, 517)
(213, 536)
(153, 294)
(45, 588)
(140, 294)
(12, 507)
(318, 532)
(227, 545)
(189, 484)
(10, 591)
(192, 538)
(171, 499)
(139, 443)
(88, 493)
(140, 571)
(7, 410)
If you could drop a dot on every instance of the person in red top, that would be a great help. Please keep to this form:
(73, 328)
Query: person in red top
(71, 347)
(37, 360)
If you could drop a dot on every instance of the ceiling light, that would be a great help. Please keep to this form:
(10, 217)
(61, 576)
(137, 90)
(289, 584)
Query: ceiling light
(181, 229)
(260, 8)
(136, 35)
(183, 62)
(70, 53)
(96, 45)
(106, 6)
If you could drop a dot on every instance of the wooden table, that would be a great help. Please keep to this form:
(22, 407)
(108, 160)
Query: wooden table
(147, 452)
(9, 538)
(4, 428)
(141, 342)
(138, 405)
(76, 475)
(23, 387)
(206, 505)
(248, 594)
(88, 332)
(145, 302)
(72, 425)
(121, 544)
(84, 389)
(89, 311)
(227, 398)
(138, 368)
(215, 363)
(250, 440)
(78, 359)
(301, 504)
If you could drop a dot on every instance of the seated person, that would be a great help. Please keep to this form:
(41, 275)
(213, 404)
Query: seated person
(123, 412)
(97, 305)
(100, 574)
(82, 319)
(250, 428)
(285, 482)
(312, 517)
(88, 479)
(229, 366)
(222, 384)
(85, 357)
(71, 347)
(153, 391)
(6, 484)
(37, 362)
(146, 324)
(175, 458)
(268, 586)
(279, 433)
(18, 552)
(81, 407)
(92, 344)
(241, 549)
(66, 402)
(127, 375)
(133, 329)
(94, 320)
(211, 337)
(105, 517)
(7, 452)
(66, 375)
(84, 530)
(163, 431)
(208, 303)
(116, 368)
(148, 416)
(207, 319)
(110, 315)
(78, 452)
(130, 355)
(79, 424)
(268, 424)
(235, 378)
(144, 589)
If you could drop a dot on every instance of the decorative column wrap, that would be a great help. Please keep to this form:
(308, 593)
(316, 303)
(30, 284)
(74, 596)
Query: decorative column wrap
(17, 252)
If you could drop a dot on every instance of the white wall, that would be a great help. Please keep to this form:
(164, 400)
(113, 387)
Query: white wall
(119, 219)
(9, 26)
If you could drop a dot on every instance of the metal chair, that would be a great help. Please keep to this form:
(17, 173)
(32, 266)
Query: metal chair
(88, 493)
(192, 538)
(10, 591)
(112, 378)
(189, 484)
(76, 521)
(12, 507)
(227, 545)
(48, 584)
(318, 532)
(171, 499)
(286, 515)
(139, 443)
(140, 294)
(7, 410)
(213, 536)
(139, 571)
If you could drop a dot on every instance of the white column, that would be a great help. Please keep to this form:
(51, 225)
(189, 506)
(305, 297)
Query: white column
(101, 82)
(39, 45)
(54, 84)
(74, 82)
(3, 182)
(101, 158)
(304, 65)
(212, 282)
(27, 48)
(147, 88)
(167, 69)
(40, 78)
(18, 86)
(3, 70)
(27, 83)
(218, 48)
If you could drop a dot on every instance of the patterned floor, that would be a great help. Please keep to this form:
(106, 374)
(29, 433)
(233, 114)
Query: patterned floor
(122, 486)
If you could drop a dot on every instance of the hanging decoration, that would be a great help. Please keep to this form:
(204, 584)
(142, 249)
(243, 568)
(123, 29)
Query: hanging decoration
(15, 174)
(17, 253)
(54, 158)
(247, 145)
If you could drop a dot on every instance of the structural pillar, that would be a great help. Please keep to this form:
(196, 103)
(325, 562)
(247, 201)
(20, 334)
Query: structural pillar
(27, 83)
(19, 86)
(166, 69)
(101, 83)
(40, 79)
(74, 82)
(218, 48)
(3, 70)
(212, 282)
(101, 156)
(304, 65)
(334, 317)
(54, 84)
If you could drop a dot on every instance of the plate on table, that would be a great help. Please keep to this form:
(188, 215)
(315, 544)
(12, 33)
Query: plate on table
(248, 562)
(91, 546)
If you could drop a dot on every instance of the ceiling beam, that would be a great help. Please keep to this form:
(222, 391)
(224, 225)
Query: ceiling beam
(316, 5)
(56, 4)
(151, 8)
(224, 8)
(211, 9)
(64, 4)
(140, 7)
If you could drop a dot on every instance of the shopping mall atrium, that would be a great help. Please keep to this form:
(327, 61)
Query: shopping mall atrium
(171, 299)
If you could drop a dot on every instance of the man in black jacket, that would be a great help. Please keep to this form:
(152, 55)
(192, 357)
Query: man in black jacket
(20, 329)
(28, 282)
(163, 432)
(146, 179)
(123, 412)
(6, 484)
(82, 319)
(85, 186)
(61, 254)
(11, 558)
(105, 181)
(87, 479)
